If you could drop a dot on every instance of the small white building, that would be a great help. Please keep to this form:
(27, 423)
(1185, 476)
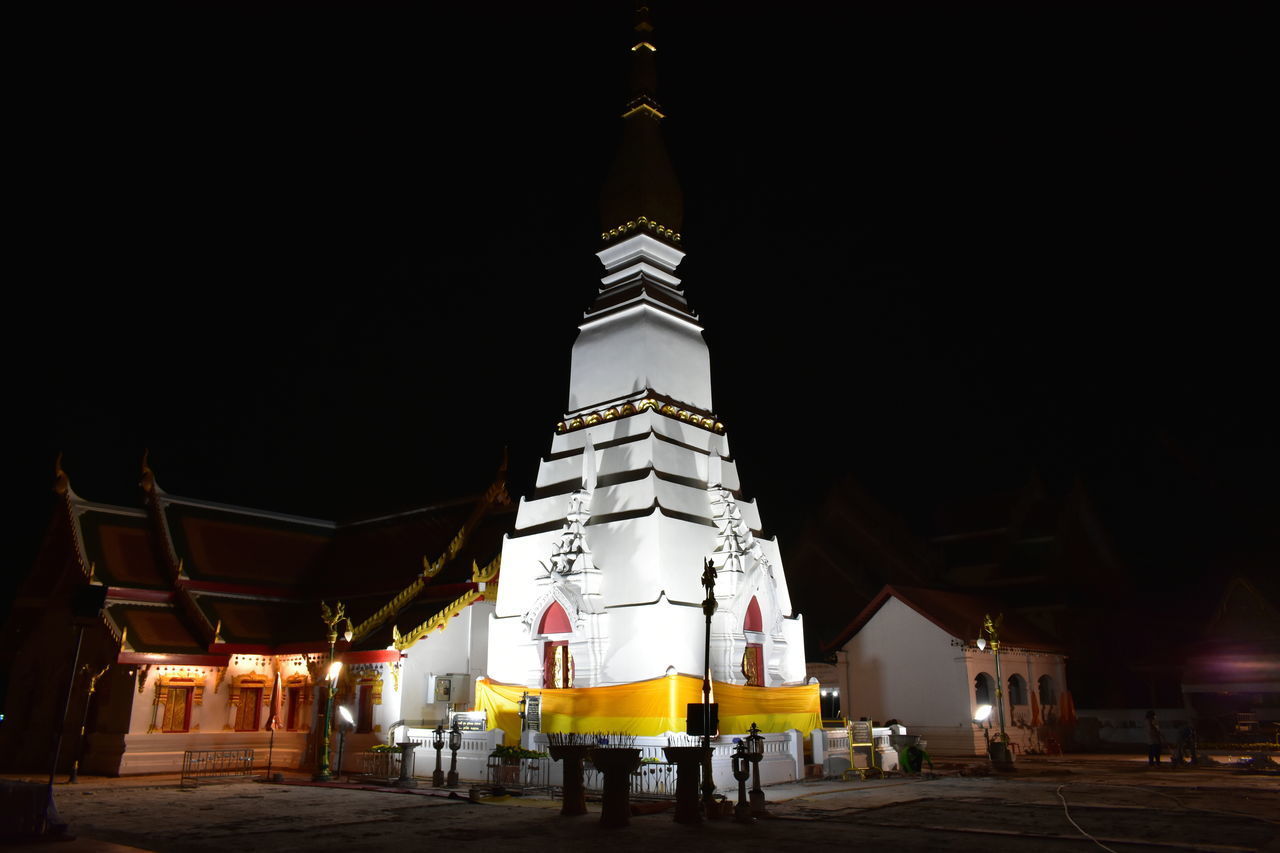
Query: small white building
(912, 655)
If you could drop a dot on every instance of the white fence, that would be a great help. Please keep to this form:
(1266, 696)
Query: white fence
(473, 757)
(783, 754)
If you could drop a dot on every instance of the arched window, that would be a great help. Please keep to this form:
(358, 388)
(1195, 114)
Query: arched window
(555, 621)
(1017, 690)
(1048, 691)
(752, 621)
(557, 662)
(984, 689)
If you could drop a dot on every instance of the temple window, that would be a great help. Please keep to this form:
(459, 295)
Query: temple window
(293, 708)
(555, 621)
(1048, 691)
(984, 689)
(1017, 690)
(177, 709)
(248, 712)
(364, 699)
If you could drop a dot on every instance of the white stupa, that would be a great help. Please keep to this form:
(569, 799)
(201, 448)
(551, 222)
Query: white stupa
(601, 579)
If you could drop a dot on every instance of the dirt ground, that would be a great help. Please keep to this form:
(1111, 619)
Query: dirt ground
(1048, 805)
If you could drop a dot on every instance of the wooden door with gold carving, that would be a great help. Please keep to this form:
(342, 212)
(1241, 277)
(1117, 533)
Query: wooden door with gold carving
(557, 665)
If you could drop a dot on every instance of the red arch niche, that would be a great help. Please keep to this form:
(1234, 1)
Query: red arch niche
(555, 621)
(753, 621)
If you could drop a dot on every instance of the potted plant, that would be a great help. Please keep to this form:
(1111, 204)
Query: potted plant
(505, 762)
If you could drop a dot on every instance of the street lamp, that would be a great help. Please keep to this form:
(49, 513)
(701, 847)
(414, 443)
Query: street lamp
(437, 742)
(755, 752)
(455, 744)
(999, 749)
(708, 610)
(331, 618)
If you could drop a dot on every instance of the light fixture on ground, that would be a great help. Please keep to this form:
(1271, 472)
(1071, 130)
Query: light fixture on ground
(982, 716)
(345, 724)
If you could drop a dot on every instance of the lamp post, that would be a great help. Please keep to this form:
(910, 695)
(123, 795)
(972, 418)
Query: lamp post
(437, 742)
(331, 618)
(999, 750)
(755, 752)
(84, 722)
(741, 765)
(708, 610)
(455, 744)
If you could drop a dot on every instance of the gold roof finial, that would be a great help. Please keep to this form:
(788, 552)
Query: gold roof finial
(61, 482)
(148, 480)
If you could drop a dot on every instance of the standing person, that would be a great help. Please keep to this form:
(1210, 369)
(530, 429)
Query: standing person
(1154, 739)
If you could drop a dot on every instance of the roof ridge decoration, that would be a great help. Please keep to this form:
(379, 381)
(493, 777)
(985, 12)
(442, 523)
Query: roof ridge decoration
(496, 494)
(154, 501)
(62, 488)
(738, 552)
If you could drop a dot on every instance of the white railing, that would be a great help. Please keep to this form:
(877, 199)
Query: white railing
(473, 757)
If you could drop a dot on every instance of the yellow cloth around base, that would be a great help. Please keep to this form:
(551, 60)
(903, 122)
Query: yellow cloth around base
(650, 707)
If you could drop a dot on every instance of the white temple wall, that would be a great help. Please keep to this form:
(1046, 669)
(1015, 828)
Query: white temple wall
(901, 665)
(522, 557)
(461, 649)
(646, 640)
(511, 656)
(639, 347)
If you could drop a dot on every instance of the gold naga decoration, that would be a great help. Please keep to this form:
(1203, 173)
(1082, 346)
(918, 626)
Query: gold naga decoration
(495, 494)
(439, 621)
(626, 410)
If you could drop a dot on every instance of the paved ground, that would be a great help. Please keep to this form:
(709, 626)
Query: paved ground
(1048, 805)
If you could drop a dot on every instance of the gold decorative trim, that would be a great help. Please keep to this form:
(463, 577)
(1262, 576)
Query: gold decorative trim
(439, 621)
(639, 45)
(645, 108)
(489, 573)
(647, 404)
(495, 494)
(644, 221)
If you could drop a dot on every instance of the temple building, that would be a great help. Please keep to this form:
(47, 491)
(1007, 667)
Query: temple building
(602, 574)
(199, 627)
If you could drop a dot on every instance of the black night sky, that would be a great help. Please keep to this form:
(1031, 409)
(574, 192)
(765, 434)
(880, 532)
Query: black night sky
(328, 259)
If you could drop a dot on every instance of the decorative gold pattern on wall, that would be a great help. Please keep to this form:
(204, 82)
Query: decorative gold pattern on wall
(647, 404)
(249, 679)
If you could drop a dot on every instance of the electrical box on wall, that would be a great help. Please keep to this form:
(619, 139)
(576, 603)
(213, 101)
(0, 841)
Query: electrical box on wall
(452, 688)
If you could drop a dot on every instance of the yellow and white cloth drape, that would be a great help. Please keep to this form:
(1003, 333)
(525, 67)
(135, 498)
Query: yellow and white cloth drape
(650, 707)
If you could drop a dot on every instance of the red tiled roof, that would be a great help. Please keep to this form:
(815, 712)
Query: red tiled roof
(958, 614)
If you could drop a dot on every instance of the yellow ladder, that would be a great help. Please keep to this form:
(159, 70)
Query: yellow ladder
(860, 737)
